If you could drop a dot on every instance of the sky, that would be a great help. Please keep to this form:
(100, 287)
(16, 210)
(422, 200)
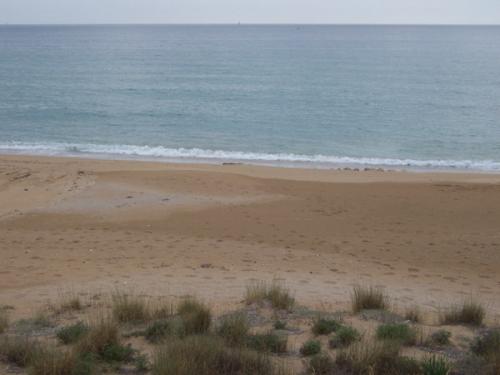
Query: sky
(251, 11)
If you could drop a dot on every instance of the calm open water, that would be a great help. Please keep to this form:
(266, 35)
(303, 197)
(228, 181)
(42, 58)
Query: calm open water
(324, 96)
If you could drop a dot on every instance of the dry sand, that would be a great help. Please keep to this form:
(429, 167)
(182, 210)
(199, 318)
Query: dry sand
(177, 229)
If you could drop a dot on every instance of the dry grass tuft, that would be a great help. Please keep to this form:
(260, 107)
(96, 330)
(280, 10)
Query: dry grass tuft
(18, 350)
(275, 293)
(52, 361)
(207, 355)
(129, 309)
(196, 317)
(413, 314)
(369, 298)
(469, 312)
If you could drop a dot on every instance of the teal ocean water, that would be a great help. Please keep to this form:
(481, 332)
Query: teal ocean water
(409, 97)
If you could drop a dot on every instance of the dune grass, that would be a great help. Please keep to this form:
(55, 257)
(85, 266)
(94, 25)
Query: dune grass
(4, 321)
(401, 333)
(207, 355)
(268, 342)
(325, 326)
(344, 337)
(275, 293)
(376, 358)
(72, 333)
(435, 365)
(233, 328)
(469, 312)
(196, 317)
(368, 298)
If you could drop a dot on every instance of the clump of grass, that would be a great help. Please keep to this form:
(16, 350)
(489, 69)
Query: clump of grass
(402, 333)
(158, 330)
(368, 298)
(469, 312)
(69, 302)
(325, 326)
(322, 364)
(280, 325)
(196, 317)
(103, 342)
(4, 320)
(207, 355)
(233, 328)
(129, 309)
(487, 344)
(18, 350)
(268, 342)
(71, 334)
(344, 337)
(413, 314)
(376, 358)
(435, 365)
(310, 347)
(52, 361)
(275, 293)
(440, 338)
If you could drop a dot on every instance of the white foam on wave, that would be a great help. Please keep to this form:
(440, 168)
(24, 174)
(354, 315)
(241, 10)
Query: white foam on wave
(197, 154)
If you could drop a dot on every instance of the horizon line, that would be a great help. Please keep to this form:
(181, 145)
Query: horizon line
(245, 24)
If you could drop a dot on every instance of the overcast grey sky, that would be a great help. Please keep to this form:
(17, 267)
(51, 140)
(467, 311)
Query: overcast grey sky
(251, 11)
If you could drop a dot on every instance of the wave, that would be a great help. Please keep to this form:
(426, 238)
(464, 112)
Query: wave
(286, 159)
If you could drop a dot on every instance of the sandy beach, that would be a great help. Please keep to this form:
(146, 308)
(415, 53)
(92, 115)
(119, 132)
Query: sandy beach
(207, 230)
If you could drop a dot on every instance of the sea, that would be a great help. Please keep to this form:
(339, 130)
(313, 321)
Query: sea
(315, 96)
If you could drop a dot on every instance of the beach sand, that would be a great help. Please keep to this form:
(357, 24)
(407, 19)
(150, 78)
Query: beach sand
(430, 239)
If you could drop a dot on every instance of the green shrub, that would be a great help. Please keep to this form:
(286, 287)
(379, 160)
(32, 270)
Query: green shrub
(435, 365)
(275, 293)
(207, 355)
(280, 325)
(268, 342)
(487, 344)
(233, 328)
(402, 333)
(470, 312)
(72, 333)
(321, 364)
(117, 353)
(368, 298)
(129, 309)
(440, 337)
(103, 334)
(344, 337)
(310, 347)
(196, 317)
(325, 326)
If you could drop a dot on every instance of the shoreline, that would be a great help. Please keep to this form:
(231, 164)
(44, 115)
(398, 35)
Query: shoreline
(327, 174)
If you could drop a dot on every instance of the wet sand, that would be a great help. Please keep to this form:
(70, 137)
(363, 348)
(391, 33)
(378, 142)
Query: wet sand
(207, 230)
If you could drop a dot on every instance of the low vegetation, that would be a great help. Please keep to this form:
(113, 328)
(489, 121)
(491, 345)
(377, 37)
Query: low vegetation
(196, 317)
(413, 314)
(208, 355)
(234, 329)
(325, 326)
(129, 309)
(310, 347)
(73, 333)
(344, 337)
(275, 293)
(435, 365)
(469, 312)
(401, 333)
(268, 342)
(487, 344)
(368, 298)
(440, 338)
(4, 320)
